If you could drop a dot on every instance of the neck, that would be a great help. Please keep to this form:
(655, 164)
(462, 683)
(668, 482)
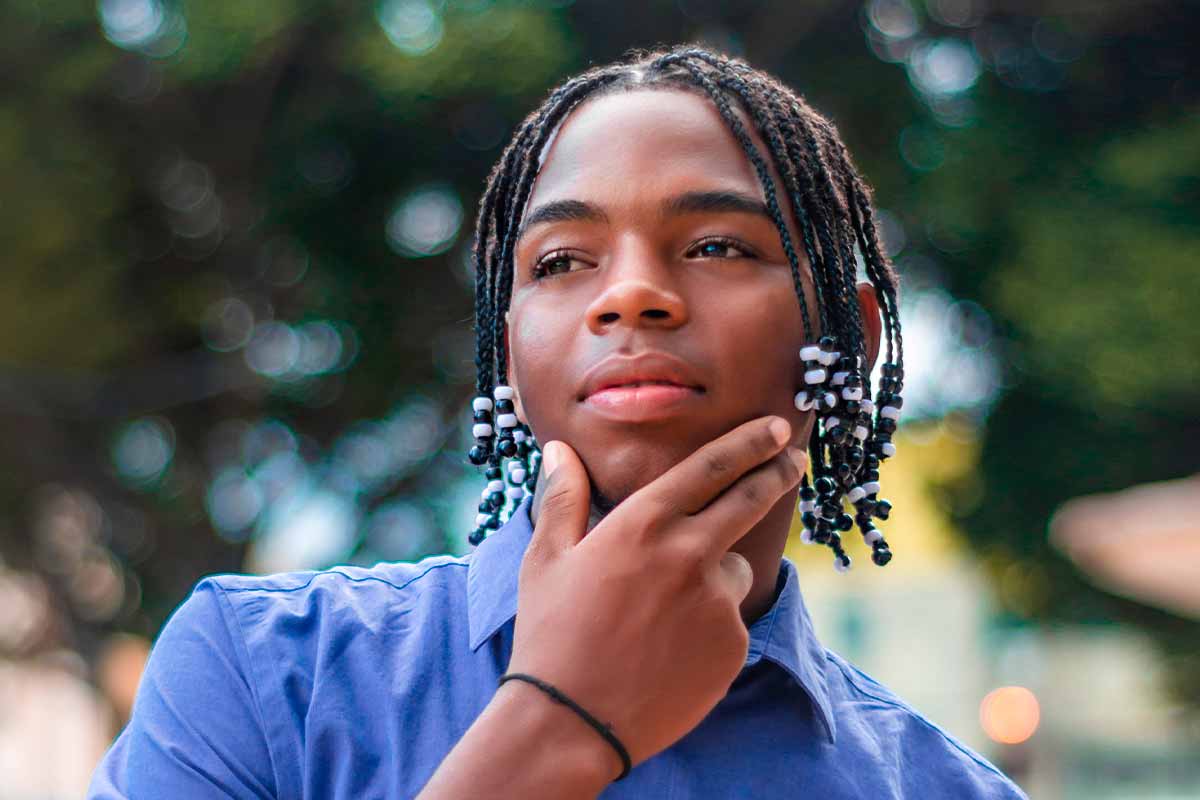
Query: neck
(762, 546)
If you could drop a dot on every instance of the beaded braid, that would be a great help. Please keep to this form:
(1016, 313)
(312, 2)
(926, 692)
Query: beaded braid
(831, 208)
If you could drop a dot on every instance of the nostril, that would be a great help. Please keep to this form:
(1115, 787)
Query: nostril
(611, 316)
(656, 313)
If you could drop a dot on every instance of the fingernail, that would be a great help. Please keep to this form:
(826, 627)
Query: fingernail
(780, 430)
(799, 458)
(550, 458)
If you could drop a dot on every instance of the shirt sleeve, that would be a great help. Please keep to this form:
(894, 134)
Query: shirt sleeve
(196, 730)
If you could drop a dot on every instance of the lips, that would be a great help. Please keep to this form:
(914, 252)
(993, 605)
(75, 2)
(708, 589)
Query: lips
(651, 368)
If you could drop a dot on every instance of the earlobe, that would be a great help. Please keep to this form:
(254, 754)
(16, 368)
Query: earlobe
(868, 303)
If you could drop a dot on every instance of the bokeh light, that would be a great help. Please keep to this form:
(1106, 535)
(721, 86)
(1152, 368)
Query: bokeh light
(131, 24)
(143, 449)
(413, 26)
(425, 222)
(1010, 714)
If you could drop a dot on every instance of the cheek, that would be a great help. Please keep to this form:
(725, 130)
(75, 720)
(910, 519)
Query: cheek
(539, 349)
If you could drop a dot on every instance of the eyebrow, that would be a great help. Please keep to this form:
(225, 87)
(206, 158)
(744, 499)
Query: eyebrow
(710, 202)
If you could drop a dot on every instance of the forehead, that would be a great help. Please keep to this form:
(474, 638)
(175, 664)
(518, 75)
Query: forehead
(645, 141)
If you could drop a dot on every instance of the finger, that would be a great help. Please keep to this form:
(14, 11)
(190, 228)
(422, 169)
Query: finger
(736, 575)
(693, 483)
(562, 499)
(747, 501)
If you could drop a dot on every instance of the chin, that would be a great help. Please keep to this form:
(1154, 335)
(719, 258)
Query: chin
(619, 471)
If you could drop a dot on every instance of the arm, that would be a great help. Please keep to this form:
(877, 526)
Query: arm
(525, 745)
(196, 730)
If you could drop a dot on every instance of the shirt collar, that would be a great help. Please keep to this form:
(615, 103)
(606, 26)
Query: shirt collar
(783, 635)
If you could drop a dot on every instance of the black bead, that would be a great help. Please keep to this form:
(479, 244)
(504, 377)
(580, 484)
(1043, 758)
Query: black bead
(871, 462)
(837, 435)
(830, 510)
(834, 541)
(478, 455)
(853, 380)
(522, 449)
(808, 519)
(824, 485)
(808, 493)
(476, 536)
(863, 521)
(870, 475)
(485, 507)
(855, 456)
(492, 523)
(483, 416)
(507, 448)
(852, 407)
(823, 526)
(884, 399)
(504, 406)
(883, 509)
(845, 522)
(493, 473)
(827, 343)
(496, 499)
(881, 556)
(886, 425)
(896, 402)
(843, 470)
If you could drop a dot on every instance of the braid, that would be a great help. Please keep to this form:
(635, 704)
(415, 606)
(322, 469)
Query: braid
(832, 213)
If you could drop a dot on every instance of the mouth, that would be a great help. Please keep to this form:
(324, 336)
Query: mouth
(652, 387)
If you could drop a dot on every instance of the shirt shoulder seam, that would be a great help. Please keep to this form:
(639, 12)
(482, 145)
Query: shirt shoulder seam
(351, 578)
(243, 654)
(853, 681)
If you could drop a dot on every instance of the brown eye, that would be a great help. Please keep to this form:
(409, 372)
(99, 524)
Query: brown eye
(553, 264)
(719, 248)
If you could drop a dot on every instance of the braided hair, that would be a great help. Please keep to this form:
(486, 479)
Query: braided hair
(832, 211)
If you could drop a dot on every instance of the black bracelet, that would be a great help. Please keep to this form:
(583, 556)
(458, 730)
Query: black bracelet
(604, 730)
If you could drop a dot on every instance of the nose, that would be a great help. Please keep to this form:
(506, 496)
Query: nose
(638, 293)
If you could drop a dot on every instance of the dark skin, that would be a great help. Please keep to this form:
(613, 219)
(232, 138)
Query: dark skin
(657, 537)
(712, 287)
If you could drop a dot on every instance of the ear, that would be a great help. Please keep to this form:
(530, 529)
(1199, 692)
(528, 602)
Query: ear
(514, 379)
(868, 303)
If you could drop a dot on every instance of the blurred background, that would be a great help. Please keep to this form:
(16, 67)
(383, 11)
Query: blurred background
(236, 335)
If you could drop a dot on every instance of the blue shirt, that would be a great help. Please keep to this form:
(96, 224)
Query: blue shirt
(356, 683)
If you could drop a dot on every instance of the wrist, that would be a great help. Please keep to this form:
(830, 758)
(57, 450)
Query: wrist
(579, 753)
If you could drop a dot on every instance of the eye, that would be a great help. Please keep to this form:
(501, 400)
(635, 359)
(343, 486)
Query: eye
(720, 247)
(554, 263)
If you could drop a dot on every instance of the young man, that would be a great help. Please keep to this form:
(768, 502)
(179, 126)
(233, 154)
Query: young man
(666, 267)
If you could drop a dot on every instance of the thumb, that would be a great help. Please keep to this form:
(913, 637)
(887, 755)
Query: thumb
(562, 500)
(737, 575)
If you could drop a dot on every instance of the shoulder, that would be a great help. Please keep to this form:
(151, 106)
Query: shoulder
(897, 730)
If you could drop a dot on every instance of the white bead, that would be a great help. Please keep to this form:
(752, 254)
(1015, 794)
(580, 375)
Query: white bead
(867, 406)
(507, 420)
(802, 402)
(495, 486)
(481, 429)
(852, 394)
(518, 475)
(832, 422)
(814, 376)
(861, 433)
(808, 505)
(482, 404)
(828, 359)
(806, 536)
(830, 399)
(871, 487)
(503, 393)
(516, 492)
(872, 536)
(888, 449)
(481, 518)
(889, 412)
(485, 493)
(839, 565)
(855, 494)
(518, 437)
(839, 378)
(810, 353)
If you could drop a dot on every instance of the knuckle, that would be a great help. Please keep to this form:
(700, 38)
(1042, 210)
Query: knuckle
(751, 492)
(716, 464)
(787, 470)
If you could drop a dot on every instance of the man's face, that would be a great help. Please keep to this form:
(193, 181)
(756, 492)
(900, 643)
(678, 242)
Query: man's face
(653, 240)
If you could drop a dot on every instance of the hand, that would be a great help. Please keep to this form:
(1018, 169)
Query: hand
(638, 621)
